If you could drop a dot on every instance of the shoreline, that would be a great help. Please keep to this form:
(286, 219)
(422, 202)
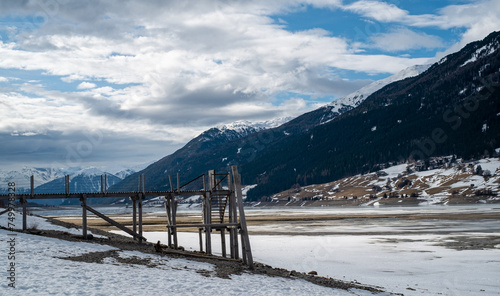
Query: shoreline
(261, 216)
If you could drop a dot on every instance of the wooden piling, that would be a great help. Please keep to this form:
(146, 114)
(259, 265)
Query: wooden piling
(84, 216)
(140, 216)
(168, 203)
(25, 213)
(246, 249)
(200, 231)
(134, 215)
(174, 222)
(208, 221)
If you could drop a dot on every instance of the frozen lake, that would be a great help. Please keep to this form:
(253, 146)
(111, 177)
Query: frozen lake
(425, 250)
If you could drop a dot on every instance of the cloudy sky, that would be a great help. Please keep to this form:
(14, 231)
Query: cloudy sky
(128, 82)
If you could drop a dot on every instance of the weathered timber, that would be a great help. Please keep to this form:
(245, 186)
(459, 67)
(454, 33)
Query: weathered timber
(114, 223)
(243, 223)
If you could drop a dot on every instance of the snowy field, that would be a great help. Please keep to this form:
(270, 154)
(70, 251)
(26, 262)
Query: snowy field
(39, 270)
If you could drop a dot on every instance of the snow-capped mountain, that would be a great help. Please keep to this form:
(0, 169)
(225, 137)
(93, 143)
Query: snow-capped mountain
(22, 177)
(84, 180)
(239, 129)
(353, 100)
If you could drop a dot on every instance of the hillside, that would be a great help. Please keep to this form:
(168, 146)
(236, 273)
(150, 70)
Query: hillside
(450, 109)
(443, 180)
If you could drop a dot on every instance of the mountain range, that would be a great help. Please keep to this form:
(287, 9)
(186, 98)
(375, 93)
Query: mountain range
(448, 108)
(452, 108)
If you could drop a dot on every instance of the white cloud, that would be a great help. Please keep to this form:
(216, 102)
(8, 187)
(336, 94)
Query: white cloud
(379, 11)
(3, 79)
(86, 85)
(171, 69)
(404, 39)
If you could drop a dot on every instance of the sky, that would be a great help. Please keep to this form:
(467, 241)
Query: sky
(108, 83)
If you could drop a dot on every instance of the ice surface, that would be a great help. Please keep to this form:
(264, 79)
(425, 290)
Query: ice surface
(399, 255)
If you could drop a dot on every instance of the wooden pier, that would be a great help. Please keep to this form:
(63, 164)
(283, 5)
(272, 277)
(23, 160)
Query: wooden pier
(222, 210)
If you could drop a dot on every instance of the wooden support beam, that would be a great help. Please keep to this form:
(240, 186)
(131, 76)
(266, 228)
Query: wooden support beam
(143, 185)
(32, 185)
(171, 184)
(200, 230)
(113, 194)
(243, 249)
(211, 181)
(114, 223)
(212, 225)
(134, 215)
(247, 251)
(174, 222)
(208, 221)
(178, 183)
(223, 242)
(66, 184)
(83, 199)
(25, 213)
(168, 202)
(140, 215)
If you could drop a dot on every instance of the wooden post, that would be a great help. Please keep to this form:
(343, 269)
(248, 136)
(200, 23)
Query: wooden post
(223, 241)
(140, 217)
(84, 216)
(66, 184)
(169, 219)
(208, 220)
(143, 184)
(233, 218)
(171, 184)
(32, 185)
(211, 181)
(200, 230)
(243, 248)
(102, 185)
(134, 215)
(174, 223)
(25, 222)
(24, 202)
(105, 183)
(178, 183)
(247, 251)
(230, 218)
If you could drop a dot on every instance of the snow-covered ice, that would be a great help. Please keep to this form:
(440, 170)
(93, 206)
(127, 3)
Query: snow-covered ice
(402, 256)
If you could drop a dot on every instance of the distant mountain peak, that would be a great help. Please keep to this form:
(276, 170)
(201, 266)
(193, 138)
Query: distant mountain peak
(483, 51)
(240, 128)
(352, 100)
(240, 125)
